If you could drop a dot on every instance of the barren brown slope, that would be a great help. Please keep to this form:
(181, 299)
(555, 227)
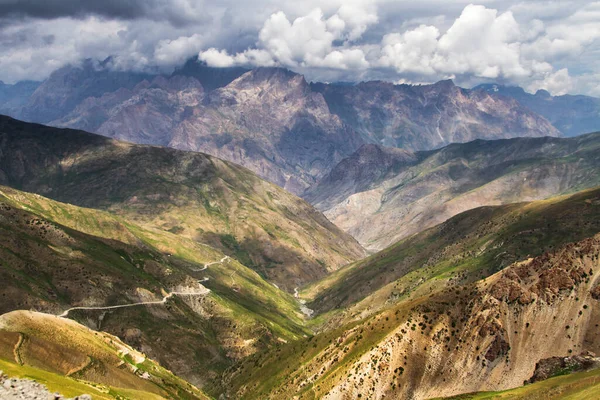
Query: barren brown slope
(467, 247)
(419, 190)
(482, 336)
(190, 194)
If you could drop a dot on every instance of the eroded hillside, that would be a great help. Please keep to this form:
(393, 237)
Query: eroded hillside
(410, 192)
(189, 194)
(482, 336)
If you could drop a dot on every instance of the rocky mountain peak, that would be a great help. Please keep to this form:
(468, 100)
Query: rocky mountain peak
(444, 84)
(272, 77)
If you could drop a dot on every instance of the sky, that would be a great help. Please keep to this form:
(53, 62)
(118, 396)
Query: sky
(552, 45)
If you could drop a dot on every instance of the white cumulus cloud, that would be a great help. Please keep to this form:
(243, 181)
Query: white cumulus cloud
(311, 40)
(534, 43)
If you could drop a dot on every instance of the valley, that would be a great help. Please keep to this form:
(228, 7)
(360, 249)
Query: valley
(435, 270)
(381, 195)
(318, 200)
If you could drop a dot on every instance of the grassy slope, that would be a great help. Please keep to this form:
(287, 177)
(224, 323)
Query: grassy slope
(577, 386)
(349, 338)
(189, 194)
(465, 248)
(70, 387)
(108, 261)
(68, 355)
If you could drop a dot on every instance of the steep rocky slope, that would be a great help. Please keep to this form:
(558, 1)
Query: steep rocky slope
(147, 113)
(410, 192)
(455, 330)
(42, 345)
(571, 114)
(70, 85)
(430, 116)
(190, 194)
(271, 120)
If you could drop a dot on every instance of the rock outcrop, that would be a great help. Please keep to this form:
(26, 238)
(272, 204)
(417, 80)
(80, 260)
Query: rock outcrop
(554, 366)
(27, 389)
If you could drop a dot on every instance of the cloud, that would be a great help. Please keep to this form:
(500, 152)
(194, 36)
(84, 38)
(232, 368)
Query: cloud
(175, 11)
(217, 58)
(307, 41)
(480, 42)
(412, 51)
(485, 44)
(534, 44)
(38, 49)
(557, 83)
(177, 51)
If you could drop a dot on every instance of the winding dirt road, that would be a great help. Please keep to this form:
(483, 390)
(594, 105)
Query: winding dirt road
(146, 303)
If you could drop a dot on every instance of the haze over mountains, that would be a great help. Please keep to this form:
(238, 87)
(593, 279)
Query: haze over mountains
(571, 114)
(272, 121)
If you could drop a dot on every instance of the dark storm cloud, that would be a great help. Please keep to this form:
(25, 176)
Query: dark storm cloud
(119, 9)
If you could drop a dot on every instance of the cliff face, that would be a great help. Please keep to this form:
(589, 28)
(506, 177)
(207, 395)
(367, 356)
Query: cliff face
(430, 116)
(271, 120)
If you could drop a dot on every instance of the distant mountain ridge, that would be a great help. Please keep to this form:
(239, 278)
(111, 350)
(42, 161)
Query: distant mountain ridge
(271, 120)
(571, 114)
(381, 199)
(425, 117)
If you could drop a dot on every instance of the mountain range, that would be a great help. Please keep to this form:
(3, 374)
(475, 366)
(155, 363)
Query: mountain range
(272, 120)
(180, 257)
(447, 242)
(570, 114)
(381, 195)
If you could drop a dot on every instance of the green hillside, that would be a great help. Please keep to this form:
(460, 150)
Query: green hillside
(108, 261)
